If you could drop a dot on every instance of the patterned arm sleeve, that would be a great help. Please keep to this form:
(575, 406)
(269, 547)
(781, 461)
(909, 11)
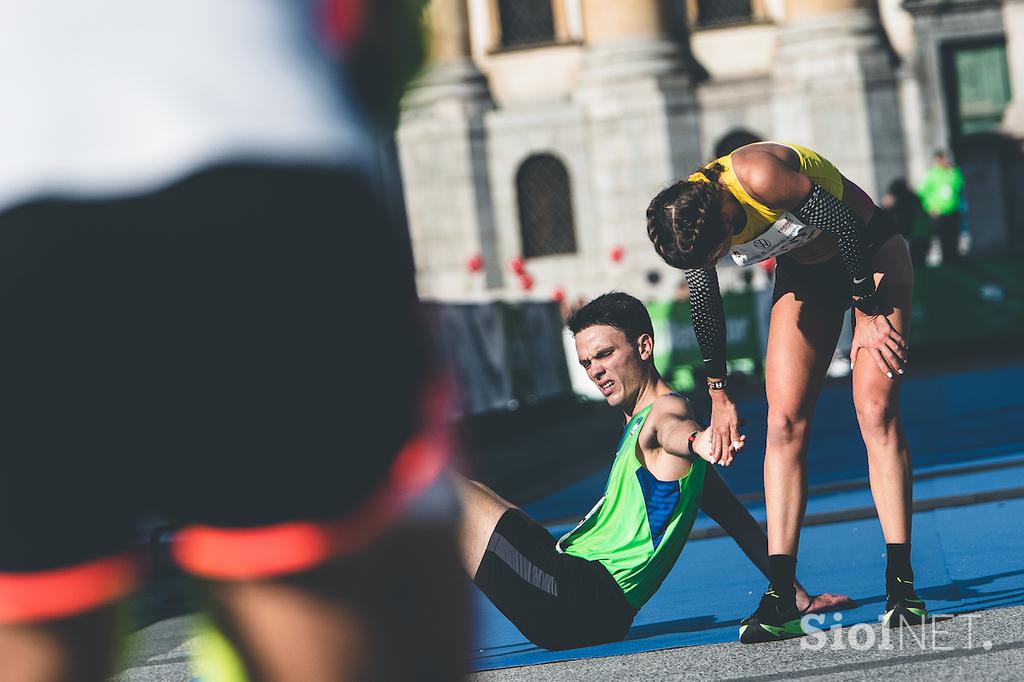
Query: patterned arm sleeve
(708, 318)
(826, 212)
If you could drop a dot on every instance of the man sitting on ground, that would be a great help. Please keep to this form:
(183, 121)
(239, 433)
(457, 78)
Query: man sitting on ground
(586, 587)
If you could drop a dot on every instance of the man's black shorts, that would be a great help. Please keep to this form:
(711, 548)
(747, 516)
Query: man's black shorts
(557, 601)
(236, 350)
(829, 282)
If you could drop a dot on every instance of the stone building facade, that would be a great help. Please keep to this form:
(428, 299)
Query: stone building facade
(531, 145)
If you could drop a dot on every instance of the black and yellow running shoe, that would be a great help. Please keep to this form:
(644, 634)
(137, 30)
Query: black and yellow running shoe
(904, 608)
(774, 620)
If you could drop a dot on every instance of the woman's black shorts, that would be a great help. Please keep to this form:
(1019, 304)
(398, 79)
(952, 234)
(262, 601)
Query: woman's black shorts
(829, 282)
(557, 601)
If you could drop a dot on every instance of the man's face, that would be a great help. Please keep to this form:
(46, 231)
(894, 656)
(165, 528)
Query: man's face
(617, 366)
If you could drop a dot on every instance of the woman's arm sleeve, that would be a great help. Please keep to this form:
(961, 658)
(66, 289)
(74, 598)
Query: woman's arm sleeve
(708, 318)
(827, 213)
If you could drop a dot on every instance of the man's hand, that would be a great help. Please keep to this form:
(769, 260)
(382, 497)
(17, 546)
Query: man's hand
(879, 339)
(724, 434)
(670, 425)
(822, 603)
(702, 446)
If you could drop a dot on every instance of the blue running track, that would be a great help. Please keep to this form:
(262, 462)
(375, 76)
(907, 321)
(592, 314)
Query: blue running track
(966, 433)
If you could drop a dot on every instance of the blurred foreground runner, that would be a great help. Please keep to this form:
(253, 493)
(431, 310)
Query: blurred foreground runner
(834, 249)
(586, 588)
(206, 317)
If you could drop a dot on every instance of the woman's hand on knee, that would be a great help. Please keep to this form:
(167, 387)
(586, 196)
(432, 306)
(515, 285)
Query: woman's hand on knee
(875, 335)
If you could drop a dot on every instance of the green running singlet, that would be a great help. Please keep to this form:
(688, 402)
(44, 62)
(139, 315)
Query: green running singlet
(638, 528)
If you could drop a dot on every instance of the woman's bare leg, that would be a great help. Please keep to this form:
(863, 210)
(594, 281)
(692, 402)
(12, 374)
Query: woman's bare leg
(801, 338)
(877, 400)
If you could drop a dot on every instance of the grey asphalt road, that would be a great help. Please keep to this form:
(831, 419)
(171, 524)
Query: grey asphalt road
(986, 645)
(159, 653)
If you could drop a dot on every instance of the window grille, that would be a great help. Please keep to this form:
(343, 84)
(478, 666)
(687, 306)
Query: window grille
(719, 12)
(526, 22)
(545, 207)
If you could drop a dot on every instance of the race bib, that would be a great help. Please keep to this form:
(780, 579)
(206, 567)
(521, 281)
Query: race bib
(786, 234)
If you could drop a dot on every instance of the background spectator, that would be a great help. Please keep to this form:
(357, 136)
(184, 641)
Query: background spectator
(905, 209)
(941, 195)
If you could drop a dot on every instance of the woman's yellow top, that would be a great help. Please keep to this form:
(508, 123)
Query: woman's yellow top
(761, 218)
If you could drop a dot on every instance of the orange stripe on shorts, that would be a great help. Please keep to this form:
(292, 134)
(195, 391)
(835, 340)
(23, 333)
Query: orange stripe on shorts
(251, 553)
(62, 592)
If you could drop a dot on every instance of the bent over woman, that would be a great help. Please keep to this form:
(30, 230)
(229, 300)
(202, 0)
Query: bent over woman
(833, 249)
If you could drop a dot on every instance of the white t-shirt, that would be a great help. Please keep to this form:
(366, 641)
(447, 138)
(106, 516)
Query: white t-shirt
(113, 97)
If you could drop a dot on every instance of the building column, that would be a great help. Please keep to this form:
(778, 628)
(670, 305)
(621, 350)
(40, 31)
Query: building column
(640, 119)
(626, 40)
(797, 10)
(1013, 24)
(451, 80)
(835, 89)
(443, 151)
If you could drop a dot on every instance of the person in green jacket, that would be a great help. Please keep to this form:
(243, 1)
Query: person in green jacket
(586, 587)
(941, 194)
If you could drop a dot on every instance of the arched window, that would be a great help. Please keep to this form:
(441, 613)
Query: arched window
(526, 22)
(545, 207)
(733, 140)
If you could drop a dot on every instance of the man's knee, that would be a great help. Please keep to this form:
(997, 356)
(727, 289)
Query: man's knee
(480, 502)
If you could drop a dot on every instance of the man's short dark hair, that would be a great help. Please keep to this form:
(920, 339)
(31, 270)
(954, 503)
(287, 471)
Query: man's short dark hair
(614, 309)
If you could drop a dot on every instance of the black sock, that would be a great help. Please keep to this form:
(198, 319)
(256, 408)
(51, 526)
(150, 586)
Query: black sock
(899, 576)
(782, 574)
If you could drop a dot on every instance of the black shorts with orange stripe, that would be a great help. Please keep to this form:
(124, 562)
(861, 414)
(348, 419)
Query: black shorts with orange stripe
(234, 352)
(557, 601)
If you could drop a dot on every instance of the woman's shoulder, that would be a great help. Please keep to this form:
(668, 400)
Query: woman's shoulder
(762, 152)
(763, 169)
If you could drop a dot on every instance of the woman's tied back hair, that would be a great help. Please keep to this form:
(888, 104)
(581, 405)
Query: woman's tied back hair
(684, 219)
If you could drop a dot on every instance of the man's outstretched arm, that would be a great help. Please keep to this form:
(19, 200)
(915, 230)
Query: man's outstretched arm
(719, 503)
